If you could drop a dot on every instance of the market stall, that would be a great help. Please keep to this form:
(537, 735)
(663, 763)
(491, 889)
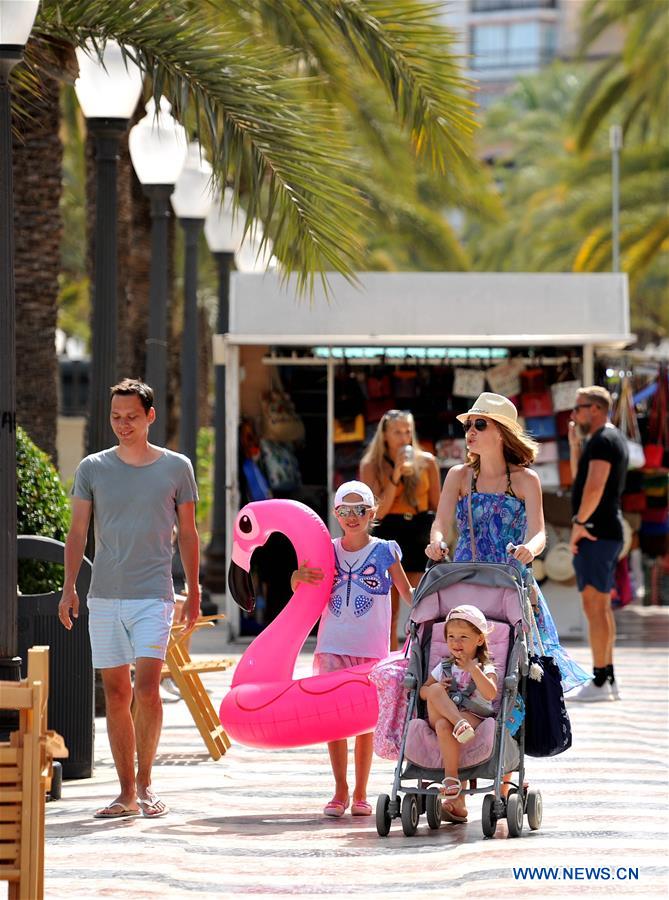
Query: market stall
(429, 342)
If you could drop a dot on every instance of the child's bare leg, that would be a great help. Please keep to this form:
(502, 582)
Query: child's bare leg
(440, 706)
(338, 751)
(364, 750)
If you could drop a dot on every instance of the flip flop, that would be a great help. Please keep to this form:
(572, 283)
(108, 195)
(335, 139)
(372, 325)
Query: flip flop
(152, 807)
(361, 808)
(124, 812)
(336, 808)
(449, 816)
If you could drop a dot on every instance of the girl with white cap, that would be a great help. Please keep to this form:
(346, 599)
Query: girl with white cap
(355, 628)
(459, 693)
(496, 498)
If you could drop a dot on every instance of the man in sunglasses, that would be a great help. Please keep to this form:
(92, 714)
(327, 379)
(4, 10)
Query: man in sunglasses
(599, 457)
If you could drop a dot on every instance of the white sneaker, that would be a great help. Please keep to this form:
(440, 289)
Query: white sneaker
(614, 691)
(590, 693)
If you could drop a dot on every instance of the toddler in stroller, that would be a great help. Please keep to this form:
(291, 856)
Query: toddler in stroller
(459, 692)
(472, 744)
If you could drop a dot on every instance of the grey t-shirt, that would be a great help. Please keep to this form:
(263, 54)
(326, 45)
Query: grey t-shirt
(134, 510)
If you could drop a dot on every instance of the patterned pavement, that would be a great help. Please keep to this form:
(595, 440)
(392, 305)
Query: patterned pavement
(251, 823)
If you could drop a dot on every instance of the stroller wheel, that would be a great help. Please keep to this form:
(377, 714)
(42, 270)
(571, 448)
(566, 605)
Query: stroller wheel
(534, 809)
(433, 810)
(383, 815)
(410, 814)
(514, 814)
(488, 817)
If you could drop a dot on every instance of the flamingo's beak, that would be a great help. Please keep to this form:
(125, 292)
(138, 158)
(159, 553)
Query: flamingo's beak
(241, 587)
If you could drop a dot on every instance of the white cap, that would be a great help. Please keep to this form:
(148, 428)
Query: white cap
(354, 487)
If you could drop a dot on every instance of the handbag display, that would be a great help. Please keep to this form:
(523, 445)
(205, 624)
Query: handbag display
(547, 725)
(281, 466)
(279, 420)
(468, 383)
(624, 418)
(348, 430)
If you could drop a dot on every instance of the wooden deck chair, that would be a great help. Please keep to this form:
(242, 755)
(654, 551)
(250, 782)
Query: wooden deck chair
(24, 772)
(186, 675)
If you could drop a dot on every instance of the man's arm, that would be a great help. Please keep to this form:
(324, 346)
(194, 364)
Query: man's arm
(75, 545)
(189, 548)
(593, 489)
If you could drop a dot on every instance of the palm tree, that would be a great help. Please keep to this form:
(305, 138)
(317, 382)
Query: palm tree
(634, 80)
(558, 201)
(268, 110)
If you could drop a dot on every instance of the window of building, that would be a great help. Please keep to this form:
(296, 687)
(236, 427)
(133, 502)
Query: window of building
(509, 45)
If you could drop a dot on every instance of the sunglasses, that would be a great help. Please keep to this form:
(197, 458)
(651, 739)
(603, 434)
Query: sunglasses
(582, 406)
(479, 424)
(345, 512)
(397, 414)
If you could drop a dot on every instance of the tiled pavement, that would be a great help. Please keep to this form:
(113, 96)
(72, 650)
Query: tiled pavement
(251, 823)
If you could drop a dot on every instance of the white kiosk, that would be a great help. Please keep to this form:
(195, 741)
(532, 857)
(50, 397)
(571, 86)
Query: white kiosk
(414, 310)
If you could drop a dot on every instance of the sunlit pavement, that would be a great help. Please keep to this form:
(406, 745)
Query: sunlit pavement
(252, 822)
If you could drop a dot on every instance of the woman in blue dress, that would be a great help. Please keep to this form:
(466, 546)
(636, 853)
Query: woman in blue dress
(506, 508)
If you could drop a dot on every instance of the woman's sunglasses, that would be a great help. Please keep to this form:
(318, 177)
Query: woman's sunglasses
(479, 424)
(345, 512)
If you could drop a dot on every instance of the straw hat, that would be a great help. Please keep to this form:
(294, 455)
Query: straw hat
(627, 539)
(558, 562)
(495, 407)
(539, 570)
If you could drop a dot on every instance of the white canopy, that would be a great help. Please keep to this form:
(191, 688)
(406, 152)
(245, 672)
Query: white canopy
(433, 308)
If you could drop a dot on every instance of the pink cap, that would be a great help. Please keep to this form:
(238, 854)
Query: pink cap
(470, 614)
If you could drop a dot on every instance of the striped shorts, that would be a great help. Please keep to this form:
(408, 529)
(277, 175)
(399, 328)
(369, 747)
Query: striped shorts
(122, 631)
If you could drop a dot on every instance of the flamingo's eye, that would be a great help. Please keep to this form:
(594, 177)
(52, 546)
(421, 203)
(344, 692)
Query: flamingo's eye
(245, 525)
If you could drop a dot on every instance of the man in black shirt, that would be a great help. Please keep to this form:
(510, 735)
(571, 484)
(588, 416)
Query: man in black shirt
(599, 465)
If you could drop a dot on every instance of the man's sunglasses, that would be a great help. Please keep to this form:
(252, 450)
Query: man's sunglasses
(479, 424)
(345, 512)
(582, 406)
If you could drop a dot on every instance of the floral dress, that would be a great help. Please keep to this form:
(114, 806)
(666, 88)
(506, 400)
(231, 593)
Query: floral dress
(500, 519)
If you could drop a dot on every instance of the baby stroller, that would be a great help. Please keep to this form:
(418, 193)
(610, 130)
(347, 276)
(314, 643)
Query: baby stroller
(502, 595)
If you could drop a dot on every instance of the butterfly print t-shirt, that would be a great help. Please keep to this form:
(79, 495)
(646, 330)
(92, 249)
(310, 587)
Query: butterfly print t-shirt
(356, 621)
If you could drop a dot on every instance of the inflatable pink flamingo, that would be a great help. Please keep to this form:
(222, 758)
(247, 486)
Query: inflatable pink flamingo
(266, 707)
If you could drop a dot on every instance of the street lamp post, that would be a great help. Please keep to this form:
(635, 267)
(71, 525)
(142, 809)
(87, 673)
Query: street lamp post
(223, 233)
(158, 148)
(108, 92)
(191, 201)
(16, 22)
(616, 144)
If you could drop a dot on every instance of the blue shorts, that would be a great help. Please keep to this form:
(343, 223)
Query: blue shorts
(595, 564)
(122, 631)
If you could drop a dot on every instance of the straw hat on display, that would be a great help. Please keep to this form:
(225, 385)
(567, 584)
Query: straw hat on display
(539, 570)
(495, 407)
(558, 562)
(627, 539)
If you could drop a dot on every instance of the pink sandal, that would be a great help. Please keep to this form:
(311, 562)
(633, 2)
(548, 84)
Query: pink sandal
(335, 808)
(361, 808)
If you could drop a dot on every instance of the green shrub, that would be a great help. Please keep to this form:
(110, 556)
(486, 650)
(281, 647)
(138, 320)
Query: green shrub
(42, 509)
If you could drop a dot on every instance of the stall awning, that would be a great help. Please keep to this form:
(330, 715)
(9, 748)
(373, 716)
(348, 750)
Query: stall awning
(433, 309)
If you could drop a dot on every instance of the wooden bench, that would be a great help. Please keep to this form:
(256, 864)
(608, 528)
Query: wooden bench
(186, 675)
(25, 773)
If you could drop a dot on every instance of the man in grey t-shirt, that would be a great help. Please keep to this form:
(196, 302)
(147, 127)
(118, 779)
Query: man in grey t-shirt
(136, 493)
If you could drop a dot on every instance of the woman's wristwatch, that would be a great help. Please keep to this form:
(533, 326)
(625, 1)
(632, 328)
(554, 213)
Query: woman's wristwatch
(575, 521)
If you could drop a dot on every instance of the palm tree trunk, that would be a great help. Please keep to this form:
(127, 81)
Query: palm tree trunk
(37, 229)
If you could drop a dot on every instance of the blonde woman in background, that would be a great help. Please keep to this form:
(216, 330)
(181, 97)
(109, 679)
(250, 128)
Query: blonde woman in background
(405, 479)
